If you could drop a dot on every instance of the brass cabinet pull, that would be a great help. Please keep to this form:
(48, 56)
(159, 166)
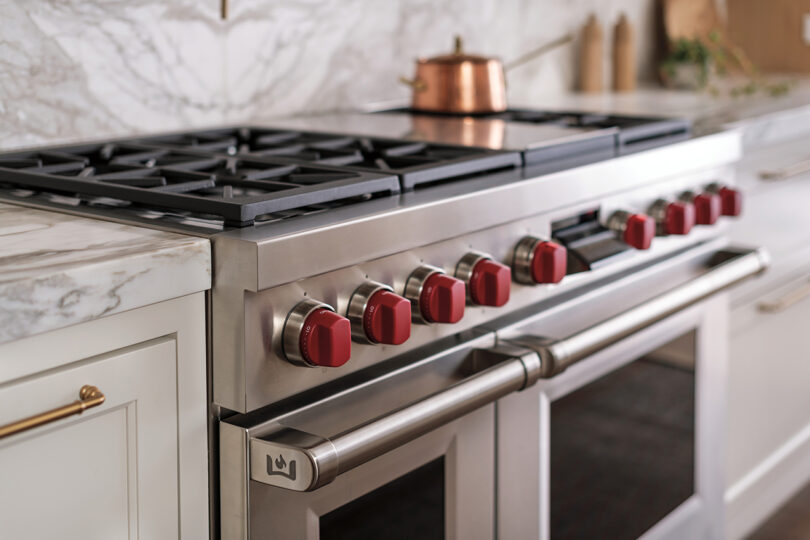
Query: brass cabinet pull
(793, 297)
(89, 396)
(789, 171)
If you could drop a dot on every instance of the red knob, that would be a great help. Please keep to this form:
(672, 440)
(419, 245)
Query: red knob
(325, 339)
(550, 262)
(707, 208)
(537, 261)
(730, 201)
(639, 231)
(679, 218)
(489, 283)
(442, 299)
(387, 318)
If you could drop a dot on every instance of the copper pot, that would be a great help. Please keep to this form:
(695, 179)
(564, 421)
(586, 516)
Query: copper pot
(465, 83)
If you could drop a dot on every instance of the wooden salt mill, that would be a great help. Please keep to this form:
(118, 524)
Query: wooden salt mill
(624, 56)
(590, 64)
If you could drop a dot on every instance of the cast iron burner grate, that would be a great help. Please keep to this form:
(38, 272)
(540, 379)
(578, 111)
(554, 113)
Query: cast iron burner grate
(239, 190)
(634, 133)
(413, 162)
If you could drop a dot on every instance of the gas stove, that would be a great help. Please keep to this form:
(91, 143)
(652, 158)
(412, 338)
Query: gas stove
(353, 248)
(310, 196)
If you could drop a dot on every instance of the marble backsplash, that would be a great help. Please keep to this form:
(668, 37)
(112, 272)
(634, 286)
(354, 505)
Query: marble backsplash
(85, 69)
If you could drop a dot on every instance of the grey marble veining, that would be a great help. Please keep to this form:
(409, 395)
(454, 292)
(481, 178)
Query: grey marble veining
(57, 270)
(85, 69)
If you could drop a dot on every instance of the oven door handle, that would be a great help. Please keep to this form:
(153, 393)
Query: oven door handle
(558, 354)
(300, 461)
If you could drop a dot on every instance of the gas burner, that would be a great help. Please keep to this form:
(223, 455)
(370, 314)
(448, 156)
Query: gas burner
(632, 133)
(235, 190)
(635, 133)
(414, 162)
(238, 176)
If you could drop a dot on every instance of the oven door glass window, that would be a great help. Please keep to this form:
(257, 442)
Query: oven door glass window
(623, 447)
(412, 506)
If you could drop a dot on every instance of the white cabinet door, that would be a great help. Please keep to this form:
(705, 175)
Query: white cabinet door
(768, 455)
(108, 473)
(769, 376)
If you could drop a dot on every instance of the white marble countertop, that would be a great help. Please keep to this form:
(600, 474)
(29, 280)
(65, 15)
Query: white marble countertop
(57, 270)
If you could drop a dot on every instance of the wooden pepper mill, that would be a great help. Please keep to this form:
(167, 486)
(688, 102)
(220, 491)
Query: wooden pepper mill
(590, 64)
(624, 56)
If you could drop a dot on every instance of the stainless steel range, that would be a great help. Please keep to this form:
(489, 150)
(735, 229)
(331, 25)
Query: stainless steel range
(414, 333)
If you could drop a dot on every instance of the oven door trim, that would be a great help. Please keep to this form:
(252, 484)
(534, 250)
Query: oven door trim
(527, 414)
(469, 490)
(513, 371)
(424, 407)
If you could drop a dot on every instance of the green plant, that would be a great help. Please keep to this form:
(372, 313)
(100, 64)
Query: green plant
(692, 51)
(715, 54)
(689, 52)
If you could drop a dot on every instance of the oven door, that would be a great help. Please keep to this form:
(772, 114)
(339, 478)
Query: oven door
(623, 438)
(407, 454)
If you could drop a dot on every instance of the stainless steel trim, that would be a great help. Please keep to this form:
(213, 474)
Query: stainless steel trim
(300, 461)
(295, 247)
(464, 269)
(658, 211)
(714, 187)
(357, 308)
(557, 355)
(293, 326)
(786, 172)
(522, 259)
(392, 235)
(618, 221)
(787, 300)
(687, 196)
(413, 290)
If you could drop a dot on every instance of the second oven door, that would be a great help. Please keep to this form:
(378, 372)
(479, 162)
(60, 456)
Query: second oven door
(438, 486)
(627, 442)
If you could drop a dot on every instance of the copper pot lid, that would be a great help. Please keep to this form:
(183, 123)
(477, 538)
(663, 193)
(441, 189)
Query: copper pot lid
(458, 56)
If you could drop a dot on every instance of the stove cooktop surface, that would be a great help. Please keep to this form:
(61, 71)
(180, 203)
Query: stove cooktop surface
(542, 137)
(236, 177)
(632, 132)
(414, 162)
(239, 176)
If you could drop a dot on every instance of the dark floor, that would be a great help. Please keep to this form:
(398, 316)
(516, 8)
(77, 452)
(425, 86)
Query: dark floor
(790, 522)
